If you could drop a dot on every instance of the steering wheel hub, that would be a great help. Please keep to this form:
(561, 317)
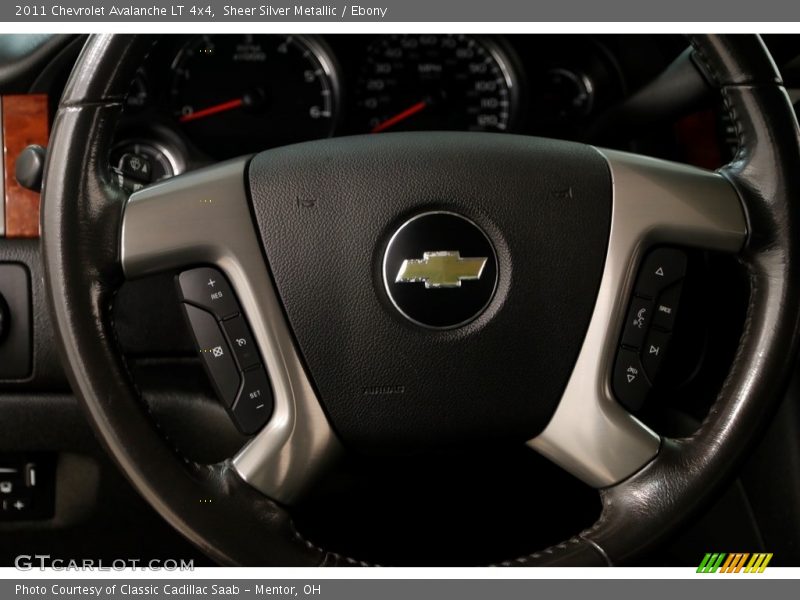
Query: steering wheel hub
(346, 225)
(440, 270)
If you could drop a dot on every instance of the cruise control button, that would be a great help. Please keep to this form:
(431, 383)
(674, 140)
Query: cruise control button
(630, 383)
(653, 352)
(661, 268)
(667, 307)
(208, 288)
(215, 353)
(637, 322)
(254, 406)
(242, 342)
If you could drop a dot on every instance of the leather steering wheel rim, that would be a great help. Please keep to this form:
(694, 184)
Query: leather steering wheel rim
(82, 212)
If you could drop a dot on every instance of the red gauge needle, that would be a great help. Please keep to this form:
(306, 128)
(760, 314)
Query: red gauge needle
(401, 116)
(212, 110)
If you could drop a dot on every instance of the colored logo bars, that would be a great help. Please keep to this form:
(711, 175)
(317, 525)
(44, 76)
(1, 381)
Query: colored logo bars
(734, 563)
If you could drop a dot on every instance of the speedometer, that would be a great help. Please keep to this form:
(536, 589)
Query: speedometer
(428, 82)
(236, 94)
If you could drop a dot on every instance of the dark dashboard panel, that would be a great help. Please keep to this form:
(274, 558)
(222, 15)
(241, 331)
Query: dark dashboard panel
(203, 98)
(235, 94)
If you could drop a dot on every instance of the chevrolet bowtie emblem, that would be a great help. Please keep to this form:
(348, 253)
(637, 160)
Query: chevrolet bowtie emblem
(444, 269)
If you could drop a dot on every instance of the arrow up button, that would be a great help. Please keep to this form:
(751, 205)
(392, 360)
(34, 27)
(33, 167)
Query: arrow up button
(661, 268)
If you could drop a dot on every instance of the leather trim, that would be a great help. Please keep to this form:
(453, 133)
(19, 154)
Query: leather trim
(644, 510)
(107, 80)
(575, 552)
(735, 60)
(81, 217)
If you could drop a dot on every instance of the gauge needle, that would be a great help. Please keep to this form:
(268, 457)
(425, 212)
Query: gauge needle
(401, 116)
(212, 110)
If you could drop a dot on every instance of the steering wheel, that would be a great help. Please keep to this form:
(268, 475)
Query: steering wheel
(331, 249)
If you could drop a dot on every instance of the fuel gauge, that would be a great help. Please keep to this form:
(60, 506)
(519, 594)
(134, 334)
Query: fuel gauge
(567, 94)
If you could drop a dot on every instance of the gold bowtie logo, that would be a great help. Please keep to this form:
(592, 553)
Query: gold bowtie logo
(444, 269)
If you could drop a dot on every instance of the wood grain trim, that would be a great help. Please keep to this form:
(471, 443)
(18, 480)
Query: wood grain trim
(25, 122)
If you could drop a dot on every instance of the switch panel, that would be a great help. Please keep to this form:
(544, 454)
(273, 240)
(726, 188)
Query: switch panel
(648, 325)
(226, 347)
(27, 487)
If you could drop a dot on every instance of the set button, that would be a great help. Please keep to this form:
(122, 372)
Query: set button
(255, 403)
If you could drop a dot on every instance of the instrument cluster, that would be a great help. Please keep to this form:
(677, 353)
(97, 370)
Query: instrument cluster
(203, 98)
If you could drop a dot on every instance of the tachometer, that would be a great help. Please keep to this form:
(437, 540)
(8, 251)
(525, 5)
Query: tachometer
(427, 82)
(235, 94)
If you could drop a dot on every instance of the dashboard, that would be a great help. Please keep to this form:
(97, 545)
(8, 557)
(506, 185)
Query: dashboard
(199, 99)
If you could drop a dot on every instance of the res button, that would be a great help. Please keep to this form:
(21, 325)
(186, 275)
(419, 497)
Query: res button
(207, 288)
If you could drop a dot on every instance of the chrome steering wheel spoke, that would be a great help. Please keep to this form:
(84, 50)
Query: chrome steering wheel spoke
(654, 202)
(204, 218)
